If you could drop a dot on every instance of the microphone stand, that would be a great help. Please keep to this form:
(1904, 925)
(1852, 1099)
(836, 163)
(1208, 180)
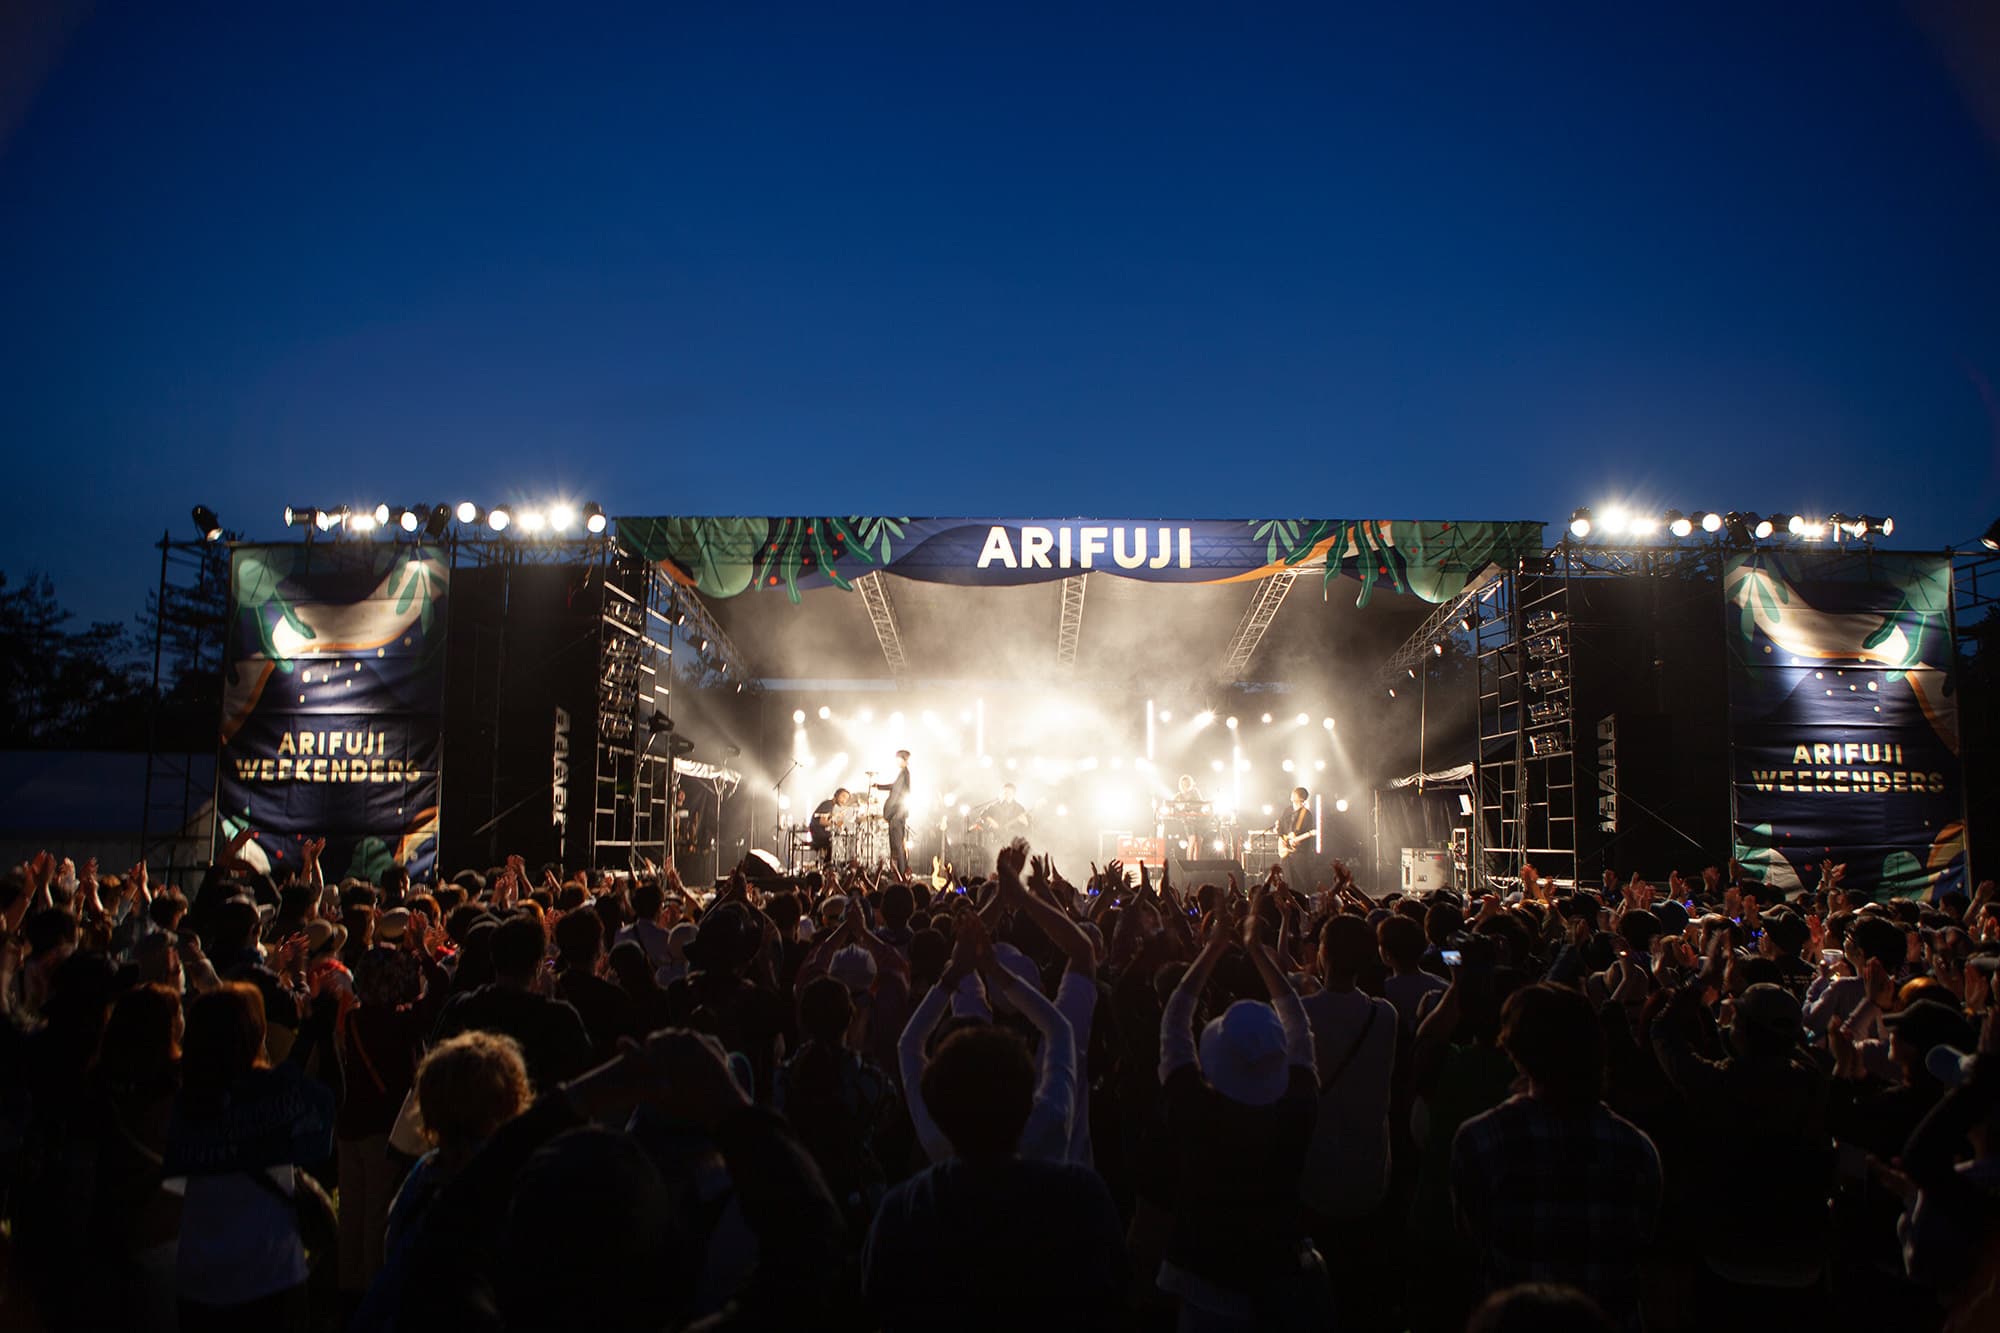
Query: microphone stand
(777, 790)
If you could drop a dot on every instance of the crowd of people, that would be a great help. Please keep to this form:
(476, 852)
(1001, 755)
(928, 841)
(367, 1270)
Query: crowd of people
(521, 1099)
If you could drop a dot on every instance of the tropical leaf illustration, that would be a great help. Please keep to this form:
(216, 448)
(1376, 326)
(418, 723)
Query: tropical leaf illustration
(796, 548)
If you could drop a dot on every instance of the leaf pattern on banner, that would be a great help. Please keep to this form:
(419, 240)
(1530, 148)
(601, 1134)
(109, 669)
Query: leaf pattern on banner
(798, 547)
(417, 574)
(1290, 540)
(259, 580)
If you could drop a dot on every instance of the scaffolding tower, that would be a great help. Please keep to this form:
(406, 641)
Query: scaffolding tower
(1526, 764)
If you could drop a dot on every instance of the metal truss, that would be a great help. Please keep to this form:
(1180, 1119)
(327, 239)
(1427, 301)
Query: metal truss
(1256, 622)
(1437, 626)
(882, 614)
(702, 625)
(1071, 627)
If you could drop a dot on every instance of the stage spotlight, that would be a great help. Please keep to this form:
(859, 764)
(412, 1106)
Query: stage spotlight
(533, 520)
(1166, 716)
(1288, 766)
(742, 685)
(1709, 520)
(381, 515)
(1616, 520)
(1267, 719)
(1326, 722)
(1392, 691)
(1765, 526)
(499, 517)
(299, 516)
(361, 522)
(1579, 524)
(1062, 810)
(1411, 672)
(1230, 723)
(701, 646)
(560, 517)
(1810, 529)
(328, 519)
(1839, 524)
(1437, 650)
(1679, 524)
(210, 527)
(1465, 623)
(824, 712)
(1796, 525)
(1340, 806)
(593, 518)
(1203, 718)
(1267, 810)
(1319, 765)
(865, 715)
(1644, 525)
(1885, 526)
(798, 717)
(467, 512)
(409, 520)
(434, 526)
(1216, 764)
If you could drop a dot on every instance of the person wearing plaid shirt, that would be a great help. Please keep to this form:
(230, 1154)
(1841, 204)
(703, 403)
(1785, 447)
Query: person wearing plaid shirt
(1551, 1185)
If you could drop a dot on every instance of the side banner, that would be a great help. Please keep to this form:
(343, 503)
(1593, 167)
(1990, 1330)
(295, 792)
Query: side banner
(721, 557)
(333, 694)
(1843, 719)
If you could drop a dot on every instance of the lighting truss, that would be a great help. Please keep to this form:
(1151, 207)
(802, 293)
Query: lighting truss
(1256, 622)
(882, 615)
(1071, 627)
(1437, 625)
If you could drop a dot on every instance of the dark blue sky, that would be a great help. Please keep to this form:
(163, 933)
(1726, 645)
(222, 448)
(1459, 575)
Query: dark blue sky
(1045, 259)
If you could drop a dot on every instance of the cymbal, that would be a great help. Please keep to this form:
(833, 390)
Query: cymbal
(868, 772)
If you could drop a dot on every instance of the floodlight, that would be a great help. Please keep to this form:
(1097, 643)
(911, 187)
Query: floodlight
(798, 716)
(409, 520)
(381, 515)
(210, 527)
(1679, 524)
(1579, 524)
(561, 516)
(1616, 520)
(299, 516)
(434, 526)
(1764, 527)
(361, 522)
(593, 518)
(825, 712)
(467, 511)
(1340, 806)
(499, 517)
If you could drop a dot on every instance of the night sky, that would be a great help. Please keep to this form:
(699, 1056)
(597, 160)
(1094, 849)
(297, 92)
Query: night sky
(1019, 259)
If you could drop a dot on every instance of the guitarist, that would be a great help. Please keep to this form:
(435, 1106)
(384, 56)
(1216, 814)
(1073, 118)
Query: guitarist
(1296, 829)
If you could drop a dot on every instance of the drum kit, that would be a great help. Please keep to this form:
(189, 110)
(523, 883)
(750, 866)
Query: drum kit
(860, 830)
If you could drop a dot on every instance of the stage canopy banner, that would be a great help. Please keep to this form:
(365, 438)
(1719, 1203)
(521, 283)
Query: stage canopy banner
(1843, 721)
(333, 695)
(721, 557)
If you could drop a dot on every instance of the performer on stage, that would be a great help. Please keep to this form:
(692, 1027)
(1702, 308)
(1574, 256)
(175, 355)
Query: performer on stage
(1296, 829)
(1189, 794)
(1004, 816)
(896, 809)
(824, 816)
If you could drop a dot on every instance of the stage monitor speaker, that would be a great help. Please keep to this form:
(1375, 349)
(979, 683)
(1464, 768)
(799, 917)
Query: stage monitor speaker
(1190, 875)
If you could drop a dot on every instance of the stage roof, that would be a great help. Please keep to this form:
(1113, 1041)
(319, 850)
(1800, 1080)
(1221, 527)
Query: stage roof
(963, 599)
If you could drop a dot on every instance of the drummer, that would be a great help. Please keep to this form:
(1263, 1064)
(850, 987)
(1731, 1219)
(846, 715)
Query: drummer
(825, 816)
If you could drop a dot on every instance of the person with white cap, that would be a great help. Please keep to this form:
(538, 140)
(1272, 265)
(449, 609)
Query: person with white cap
(1240, 1107)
